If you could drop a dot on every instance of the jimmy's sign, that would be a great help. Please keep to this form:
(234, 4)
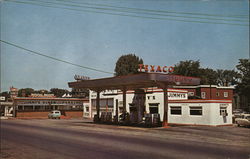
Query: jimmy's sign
(154, 68)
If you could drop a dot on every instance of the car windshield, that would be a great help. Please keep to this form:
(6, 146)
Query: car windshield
(57, 112)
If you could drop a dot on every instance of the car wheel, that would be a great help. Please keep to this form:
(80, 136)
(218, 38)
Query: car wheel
(237, 123)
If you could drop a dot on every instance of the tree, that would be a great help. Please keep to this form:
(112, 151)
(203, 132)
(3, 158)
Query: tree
(243, 87)
(208, 76)
(127, 64)
(25, 92)
(42, 91)
(58, 92)
(187, 68)
(227, 77)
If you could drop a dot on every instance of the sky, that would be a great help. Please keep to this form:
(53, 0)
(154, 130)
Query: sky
(88, 34)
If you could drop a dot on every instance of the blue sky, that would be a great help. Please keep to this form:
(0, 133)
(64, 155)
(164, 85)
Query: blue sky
(97, 40)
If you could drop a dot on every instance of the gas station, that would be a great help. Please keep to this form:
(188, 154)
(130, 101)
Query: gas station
(135, 82)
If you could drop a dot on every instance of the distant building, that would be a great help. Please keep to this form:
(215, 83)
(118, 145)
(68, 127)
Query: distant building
(66, 95)
(6, 105)
(38, 95)
(13, 92)
(39, 106)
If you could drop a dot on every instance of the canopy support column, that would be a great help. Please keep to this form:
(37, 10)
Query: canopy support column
(98, 105)
(116, 112)
(165, 108)
(124, 99)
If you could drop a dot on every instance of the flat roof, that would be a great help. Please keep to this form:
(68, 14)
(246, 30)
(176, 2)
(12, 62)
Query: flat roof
(134, 81)
(206, 86)
(201, 101)
(49, 98)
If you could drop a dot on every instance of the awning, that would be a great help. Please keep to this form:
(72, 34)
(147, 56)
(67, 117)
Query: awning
(142, 80)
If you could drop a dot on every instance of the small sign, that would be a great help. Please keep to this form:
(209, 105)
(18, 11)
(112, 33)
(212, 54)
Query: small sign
(2, 98)
(79, 77)
(177, 96)
(224, 105)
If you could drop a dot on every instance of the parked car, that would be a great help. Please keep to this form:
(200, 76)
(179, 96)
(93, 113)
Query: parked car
(243, 121)
(237, 113)
(55, 114)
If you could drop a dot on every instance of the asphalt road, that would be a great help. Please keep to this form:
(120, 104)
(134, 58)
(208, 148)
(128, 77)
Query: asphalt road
(75, 139)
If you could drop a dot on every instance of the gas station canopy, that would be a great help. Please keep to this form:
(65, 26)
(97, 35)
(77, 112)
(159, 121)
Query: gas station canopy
(141, 80)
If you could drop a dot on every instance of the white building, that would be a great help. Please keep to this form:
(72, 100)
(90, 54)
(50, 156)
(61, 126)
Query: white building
(180, 109)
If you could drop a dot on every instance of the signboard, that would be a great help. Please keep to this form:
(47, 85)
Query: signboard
(79, 77)
(2, 98)
(177, 96)
(179, 80)
(154, 68)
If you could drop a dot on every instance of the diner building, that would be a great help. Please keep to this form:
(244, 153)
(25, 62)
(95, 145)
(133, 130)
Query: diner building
(40, 105)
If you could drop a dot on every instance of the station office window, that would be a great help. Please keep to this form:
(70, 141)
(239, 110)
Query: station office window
(190, 93)
(175, 110)
(223, 111)
(87, 108)
(217, 94)
(153, 108)
(195, 110)
(203, 95)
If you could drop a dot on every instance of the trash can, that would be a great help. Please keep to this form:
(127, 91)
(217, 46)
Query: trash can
(96, 120)
(148, 120)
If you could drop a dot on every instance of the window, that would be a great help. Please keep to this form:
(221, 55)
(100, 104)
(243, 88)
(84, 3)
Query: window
(120, 109)
(203, 95)
(195, 110)
(87, 109)
(20, 108)
(223, 111)
(175, 110)
(149, 97)
(225, 94)
(153, 108)
(190, 93)
(217, 94)
(28, 107)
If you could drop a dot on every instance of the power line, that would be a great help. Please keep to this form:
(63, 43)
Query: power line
(160, 11)
(53, 58)
(132, 10)
(127, 15)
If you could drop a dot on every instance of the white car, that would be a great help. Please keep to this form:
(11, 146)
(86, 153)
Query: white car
(243, 121)
(55, 114)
